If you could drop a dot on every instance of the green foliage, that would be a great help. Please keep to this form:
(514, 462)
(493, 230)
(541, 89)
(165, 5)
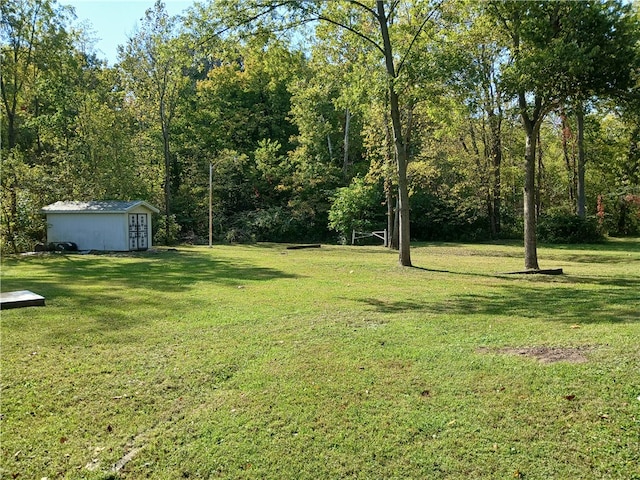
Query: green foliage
(274, 224)
(436, 219)
(356, 207)
(38, 65)
(160, 230)
(310, 188)
(568, 49)
(560, 226)
(23, 187)
(614, 174)
(233, 182)
(272, 117)
(245, 99)
(315, 115)
(272, 167)
(622, 215)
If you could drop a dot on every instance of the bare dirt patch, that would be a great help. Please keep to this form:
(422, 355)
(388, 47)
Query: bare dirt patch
(546, 354)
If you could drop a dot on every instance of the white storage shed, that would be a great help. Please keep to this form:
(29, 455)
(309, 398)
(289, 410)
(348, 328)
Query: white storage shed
(101, 225)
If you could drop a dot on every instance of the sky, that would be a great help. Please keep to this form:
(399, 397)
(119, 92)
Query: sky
(113, 21)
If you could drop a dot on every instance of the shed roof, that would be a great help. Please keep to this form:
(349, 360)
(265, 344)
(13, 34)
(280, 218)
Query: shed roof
(108, 206)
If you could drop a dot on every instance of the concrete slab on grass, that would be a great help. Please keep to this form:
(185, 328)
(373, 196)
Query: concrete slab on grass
(19, 299)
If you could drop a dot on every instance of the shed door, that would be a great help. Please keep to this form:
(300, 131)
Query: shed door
(138, 231)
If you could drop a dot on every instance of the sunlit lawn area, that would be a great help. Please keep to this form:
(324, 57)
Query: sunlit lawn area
(258, 362)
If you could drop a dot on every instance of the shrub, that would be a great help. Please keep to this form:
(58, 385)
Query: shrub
(160, 230)
(623, 217)
(274, 224)
(436, 219)
(356, 207)
(565, 227)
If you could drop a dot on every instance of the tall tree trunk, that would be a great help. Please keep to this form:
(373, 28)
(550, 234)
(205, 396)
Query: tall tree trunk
(581, 161)
(568, 158)
(392, 233)
(530, 240)
(390, 215)
(540, 175)
(400, 147)
(403, 187)
(531, 124)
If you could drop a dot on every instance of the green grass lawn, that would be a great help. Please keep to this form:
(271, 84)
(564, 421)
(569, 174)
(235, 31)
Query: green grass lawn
(257, 362)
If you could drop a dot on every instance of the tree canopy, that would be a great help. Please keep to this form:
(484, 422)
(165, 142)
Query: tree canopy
(438, 120)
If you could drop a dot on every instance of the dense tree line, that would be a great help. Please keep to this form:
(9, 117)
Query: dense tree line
(318, 118)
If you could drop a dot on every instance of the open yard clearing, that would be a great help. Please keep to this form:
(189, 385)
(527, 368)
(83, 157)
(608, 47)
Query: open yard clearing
(259, 362)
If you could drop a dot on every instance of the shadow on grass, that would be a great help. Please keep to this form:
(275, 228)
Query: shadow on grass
(623, 282)
(165, 271)
(595, 258)
(111, 288)
(621, 245)
(611, 251)
(463, 274)
(614, 303)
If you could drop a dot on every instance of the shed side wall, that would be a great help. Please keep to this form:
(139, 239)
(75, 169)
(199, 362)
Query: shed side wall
(105, 231)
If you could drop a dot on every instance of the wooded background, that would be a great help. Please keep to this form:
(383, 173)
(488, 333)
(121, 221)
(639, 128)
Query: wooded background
(323, 117)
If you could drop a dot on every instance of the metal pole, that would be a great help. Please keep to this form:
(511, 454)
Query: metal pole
(210, 205)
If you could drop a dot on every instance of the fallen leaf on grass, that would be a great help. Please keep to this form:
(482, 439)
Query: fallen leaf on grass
(93, 465)
(569, 397)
